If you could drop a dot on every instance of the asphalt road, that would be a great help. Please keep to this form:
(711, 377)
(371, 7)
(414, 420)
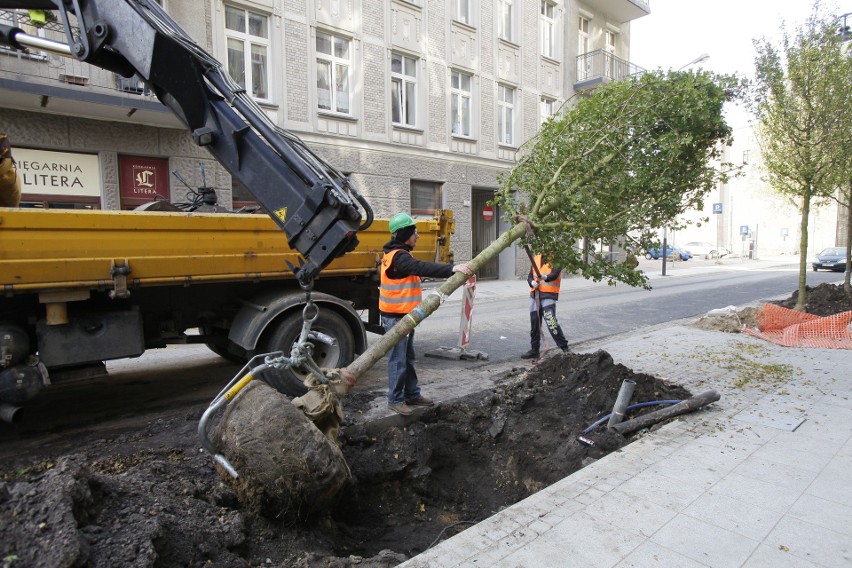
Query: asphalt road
(594, 311)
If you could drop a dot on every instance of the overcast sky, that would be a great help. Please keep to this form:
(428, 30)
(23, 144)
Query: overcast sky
(678, 31)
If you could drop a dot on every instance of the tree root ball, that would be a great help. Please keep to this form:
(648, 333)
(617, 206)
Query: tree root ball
(286, 467)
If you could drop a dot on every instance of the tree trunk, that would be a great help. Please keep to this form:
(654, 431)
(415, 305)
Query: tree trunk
(427, 306)
(846, 277)
(683, 407)
(803, 251)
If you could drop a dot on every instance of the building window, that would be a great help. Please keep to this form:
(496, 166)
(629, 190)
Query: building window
(548, 29)
(583, 36)
(610, 38)
(547, 107)
(462, 11)
(425, 197)
(746, 156)
(460, 92)
(505, 114)
(247, 35)
(505, 21)
(403, 90)
(333, 62)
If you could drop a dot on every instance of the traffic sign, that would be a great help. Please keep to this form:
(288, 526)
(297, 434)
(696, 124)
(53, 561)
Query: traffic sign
(487, 212)
(717, 208)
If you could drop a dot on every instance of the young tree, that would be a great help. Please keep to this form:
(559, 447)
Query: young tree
(624, 161)
(800, 97)
(627, 159)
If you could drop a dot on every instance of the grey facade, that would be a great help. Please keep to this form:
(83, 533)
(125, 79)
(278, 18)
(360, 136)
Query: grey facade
(62, 105)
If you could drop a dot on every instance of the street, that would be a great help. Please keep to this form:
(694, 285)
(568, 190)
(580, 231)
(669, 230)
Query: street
(186, 377)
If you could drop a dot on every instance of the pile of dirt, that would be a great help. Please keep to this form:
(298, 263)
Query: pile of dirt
(149, 498)
(822, 300)
(730, 322)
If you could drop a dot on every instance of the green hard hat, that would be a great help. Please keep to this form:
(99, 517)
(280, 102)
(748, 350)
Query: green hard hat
(400, 221)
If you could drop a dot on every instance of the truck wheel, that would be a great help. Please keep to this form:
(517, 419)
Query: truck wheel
(222, 350)
(290, 381)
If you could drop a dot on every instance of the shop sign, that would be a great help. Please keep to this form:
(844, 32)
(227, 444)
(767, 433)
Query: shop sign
(44, 172)
(143, 178)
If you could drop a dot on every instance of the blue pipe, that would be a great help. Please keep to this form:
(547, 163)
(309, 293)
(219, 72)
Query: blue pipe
(631, 407)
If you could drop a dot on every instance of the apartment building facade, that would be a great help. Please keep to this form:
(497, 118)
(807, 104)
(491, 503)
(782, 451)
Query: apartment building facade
(423, 103)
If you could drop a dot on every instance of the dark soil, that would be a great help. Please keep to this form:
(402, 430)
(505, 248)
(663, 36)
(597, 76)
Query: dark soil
(823, 300)
(150, 498)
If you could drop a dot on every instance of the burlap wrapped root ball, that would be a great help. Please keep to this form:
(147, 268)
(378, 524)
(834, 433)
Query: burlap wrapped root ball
(287, 468)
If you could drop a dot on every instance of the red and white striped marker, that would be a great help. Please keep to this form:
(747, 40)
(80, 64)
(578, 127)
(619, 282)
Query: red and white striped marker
(469, 293)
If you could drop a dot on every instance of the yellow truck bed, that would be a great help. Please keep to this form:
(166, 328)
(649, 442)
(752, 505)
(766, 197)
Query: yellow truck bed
(47, 250)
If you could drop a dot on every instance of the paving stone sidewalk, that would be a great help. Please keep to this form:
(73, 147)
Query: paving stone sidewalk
(762, 478)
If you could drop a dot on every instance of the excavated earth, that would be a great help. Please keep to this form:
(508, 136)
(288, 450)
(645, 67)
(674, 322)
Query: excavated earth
(149, 497)
(821, 300)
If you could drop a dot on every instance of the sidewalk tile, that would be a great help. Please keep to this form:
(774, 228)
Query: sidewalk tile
(826, 514)
(756, 492)
(777, 472)
(774, 557)
(734, 515)
(705, 543)
(652, 555)
(639, 516)
(812, 542)
(663, 490)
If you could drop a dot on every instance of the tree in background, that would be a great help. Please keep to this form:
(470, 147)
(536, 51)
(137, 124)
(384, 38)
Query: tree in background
(800, 97)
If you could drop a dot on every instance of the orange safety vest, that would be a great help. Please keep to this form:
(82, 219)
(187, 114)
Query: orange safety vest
(545, 269)
(400, 295)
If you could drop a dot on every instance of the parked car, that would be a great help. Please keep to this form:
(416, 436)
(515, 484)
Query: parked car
(832, 258)
(670, 251)
(706, 250)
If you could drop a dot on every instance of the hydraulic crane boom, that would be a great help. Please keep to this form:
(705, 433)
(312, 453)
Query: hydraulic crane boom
(310, 200)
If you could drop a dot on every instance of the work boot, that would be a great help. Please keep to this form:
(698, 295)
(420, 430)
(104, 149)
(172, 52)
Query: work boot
(566, 349)
(530, 355)
(420, 401)
(400, 408)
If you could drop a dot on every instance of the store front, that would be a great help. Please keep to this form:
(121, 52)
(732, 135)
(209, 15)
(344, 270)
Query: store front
(59, 180)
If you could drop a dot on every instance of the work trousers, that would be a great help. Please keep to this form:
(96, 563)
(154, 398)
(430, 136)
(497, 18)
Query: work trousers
(402, 378)
(547, 312)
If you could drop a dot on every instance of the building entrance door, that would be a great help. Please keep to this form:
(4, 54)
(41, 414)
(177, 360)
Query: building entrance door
(485, 225)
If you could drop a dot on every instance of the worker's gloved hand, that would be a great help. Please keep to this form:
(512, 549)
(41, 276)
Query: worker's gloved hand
(534, 284)
(463, 267)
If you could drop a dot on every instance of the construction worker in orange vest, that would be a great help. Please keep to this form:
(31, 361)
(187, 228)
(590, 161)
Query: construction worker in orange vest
(10, 181)
(544, 281)
(400, 293)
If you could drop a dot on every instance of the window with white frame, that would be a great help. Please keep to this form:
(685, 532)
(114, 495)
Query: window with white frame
(610, 38)
(333, 68)
(546, 109)
(403, 90)
(506, 114)
(505, 19)
(461, 11)
(547, 23)
(583, 36)
(460, 92)
(425, 197)
(247, 37)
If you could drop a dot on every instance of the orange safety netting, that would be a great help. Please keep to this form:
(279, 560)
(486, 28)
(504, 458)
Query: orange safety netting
(798, 329)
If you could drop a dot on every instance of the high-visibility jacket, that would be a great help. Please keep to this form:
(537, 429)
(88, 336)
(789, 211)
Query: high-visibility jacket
(544, 269)
(397, 295)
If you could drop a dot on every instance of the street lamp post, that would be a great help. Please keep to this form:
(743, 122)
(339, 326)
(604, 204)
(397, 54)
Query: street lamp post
(700, 59)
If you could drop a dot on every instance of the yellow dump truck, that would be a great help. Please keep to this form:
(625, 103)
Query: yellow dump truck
(83, 287)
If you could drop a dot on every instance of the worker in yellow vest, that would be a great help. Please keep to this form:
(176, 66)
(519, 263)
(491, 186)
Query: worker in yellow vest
(544, 281)
(400, 293)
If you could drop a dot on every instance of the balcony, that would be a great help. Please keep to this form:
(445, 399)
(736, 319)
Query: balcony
(599, 67)
(622, 11)
(45, 82)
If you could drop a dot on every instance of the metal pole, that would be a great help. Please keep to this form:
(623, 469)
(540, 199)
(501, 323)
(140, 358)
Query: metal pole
(665, 235)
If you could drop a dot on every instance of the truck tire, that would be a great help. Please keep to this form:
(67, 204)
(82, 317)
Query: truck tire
(290, 381)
